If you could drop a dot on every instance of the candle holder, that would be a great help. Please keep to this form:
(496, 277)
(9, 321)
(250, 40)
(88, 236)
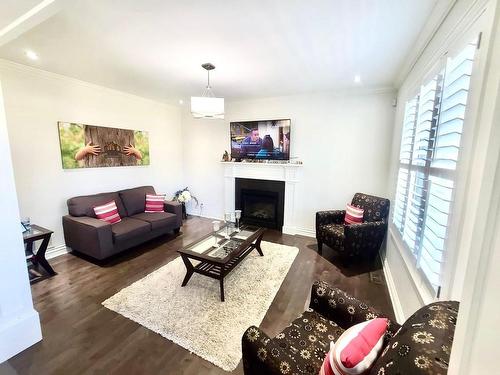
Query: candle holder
(237, 215)
(216, 227)
(227, 219)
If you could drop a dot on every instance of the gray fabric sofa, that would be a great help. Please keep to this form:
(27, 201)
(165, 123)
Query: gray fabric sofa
(86, 234)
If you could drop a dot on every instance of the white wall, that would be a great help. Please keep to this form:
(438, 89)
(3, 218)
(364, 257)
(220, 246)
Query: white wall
(343, 140)
(19, 322)
(35, 101)
(476, 335)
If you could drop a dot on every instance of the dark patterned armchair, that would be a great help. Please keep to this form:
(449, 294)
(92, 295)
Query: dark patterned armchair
(422, 345)
(354, 240)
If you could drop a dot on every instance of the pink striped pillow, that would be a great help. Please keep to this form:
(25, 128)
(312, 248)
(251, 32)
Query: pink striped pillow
(108, 212)
(357, 349)
(353, 215)
(154, 203)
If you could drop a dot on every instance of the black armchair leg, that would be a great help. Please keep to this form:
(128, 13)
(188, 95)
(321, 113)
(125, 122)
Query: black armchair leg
(320, 248)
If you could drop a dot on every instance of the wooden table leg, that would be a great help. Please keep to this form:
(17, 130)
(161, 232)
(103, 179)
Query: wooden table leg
(40, 257)
(189, 270)
(222, 274)
(29, 251)
(257, 245)
(222, 289)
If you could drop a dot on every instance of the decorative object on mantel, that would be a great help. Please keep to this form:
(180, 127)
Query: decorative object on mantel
(225, 156)
(207, 106)
(183, 196)
(257, 161)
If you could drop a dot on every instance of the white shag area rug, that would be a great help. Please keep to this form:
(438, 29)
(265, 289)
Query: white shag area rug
(193, 316)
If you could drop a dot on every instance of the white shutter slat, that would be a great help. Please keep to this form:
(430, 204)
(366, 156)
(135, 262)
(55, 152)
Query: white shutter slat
(429, 154)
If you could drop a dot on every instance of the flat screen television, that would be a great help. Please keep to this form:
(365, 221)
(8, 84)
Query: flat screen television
(266, 139)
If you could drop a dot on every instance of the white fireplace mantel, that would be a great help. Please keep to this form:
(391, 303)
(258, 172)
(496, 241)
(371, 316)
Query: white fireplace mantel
(289, 173)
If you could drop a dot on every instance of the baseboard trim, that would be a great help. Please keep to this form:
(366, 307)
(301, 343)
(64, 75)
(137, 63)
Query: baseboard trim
(305, 232)
(393, 293)
(205, 217)
(19, 334)
(55, 251)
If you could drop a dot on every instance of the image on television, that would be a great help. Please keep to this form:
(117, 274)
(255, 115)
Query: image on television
(268, 139)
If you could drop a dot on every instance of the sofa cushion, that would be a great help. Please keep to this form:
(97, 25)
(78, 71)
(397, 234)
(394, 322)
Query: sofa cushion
(129, 228)
(134, 199)
(84, 205)
(353, 214)
(423, 343)
(357, 349)
(155, 203)
(108, 213)
(157, 219)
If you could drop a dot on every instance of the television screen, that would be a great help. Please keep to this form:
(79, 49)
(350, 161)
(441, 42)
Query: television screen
(269, 139)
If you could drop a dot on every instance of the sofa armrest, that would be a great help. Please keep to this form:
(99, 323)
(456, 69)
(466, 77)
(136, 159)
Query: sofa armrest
(174, 207)
(330, 217)
(88, 235)
(261, 354)
(342, 308)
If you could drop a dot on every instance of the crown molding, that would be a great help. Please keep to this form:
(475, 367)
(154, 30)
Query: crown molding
(37, 72)
(465, 12)
(355, 91)
(439, 13)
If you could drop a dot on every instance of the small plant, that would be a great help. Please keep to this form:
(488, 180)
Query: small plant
(184, 196)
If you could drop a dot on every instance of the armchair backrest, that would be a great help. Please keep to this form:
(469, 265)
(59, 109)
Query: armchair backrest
(376, 208)
(423, 343)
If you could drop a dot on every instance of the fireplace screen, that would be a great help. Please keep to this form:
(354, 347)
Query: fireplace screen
(259, 207)
(261, 202)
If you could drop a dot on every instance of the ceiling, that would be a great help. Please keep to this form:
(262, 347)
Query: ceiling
(154, 48)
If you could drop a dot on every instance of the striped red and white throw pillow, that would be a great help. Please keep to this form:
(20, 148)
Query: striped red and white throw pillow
(108, 212)
(154, 203)
(356, 350)
(353, 214)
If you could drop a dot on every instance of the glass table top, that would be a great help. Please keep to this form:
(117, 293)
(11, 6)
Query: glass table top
(223, 242)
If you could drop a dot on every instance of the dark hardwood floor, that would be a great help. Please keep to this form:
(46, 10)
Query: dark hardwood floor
(80, 336)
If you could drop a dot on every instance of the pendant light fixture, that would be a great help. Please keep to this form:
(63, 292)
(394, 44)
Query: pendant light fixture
(207, 106)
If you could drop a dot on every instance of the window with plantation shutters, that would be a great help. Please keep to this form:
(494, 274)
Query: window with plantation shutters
(429, 154)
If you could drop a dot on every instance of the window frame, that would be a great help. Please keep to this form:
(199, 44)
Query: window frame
(449, 277)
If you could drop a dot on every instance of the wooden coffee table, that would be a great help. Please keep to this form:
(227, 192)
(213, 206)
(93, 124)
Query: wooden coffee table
(217, 261)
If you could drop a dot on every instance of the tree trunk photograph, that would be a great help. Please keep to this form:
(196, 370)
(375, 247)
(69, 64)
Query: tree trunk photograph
(90, 146)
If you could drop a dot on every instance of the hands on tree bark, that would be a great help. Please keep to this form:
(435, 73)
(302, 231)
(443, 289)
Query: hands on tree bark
(90, 149)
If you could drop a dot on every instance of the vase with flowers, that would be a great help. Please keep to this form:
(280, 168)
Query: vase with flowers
(184, 196)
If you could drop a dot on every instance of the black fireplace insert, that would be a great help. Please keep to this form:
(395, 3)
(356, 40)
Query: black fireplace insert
(261, 202)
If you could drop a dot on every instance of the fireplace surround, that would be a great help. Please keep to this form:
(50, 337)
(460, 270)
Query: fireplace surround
(286, 172)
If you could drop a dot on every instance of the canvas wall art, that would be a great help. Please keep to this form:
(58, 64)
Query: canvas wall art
(89, 146)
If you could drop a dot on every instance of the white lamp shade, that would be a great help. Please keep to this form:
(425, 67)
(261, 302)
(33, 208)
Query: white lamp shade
(207, 107)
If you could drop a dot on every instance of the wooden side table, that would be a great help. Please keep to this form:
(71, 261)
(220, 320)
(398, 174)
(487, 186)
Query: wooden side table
(38, 233)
